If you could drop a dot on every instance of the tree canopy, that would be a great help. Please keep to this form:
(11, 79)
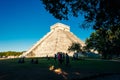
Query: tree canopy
(101, 13)
(106, 43)
(104, 15)
(10, 53)
(75, 47)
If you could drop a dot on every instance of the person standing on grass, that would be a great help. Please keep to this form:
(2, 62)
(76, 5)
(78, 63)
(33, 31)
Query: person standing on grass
(32, 61)
(67, 59)
(55, 57)
(60, 58)
(47, 57)
(36, 61)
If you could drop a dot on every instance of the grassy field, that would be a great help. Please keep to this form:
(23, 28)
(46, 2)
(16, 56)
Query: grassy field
(10, 69)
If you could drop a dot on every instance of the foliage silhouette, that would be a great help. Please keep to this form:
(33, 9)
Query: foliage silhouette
(75, 47)
(101, 13)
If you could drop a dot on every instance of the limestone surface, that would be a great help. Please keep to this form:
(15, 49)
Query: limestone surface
(57, 40)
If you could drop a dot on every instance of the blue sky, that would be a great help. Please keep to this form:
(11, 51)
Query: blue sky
(24, 22)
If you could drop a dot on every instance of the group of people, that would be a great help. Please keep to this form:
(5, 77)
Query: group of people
(62, 57)
(75, 56)
(33, 61)
(21, 60)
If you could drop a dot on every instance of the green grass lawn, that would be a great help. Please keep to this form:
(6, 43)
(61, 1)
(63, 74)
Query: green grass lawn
(10, 69)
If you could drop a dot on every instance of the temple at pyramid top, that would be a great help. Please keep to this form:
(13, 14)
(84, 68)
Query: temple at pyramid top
(61, 26)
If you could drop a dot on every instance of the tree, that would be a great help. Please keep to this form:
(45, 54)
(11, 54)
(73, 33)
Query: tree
(96, 42)
(75, 47)
(101, 13)
(10, 53)
(104, 15)
(106, 43)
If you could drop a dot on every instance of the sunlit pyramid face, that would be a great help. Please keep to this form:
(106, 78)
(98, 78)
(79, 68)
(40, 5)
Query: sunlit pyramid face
(57, 40)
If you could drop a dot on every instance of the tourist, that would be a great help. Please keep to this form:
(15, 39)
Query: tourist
(21, 60)
(47, 57)
(60, 58)
(36, 61)
(32, 61)
(67, 59)
(63, 57)
(55, 57)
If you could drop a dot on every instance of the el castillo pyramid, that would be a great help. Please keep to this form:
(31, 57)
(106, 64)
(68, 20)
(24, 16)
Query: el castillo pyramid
(57, 40)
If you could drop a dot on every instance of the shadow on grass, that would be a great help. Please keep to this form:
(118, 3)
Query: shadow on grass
(98, 76)
(63, 73)
(51, 70)
(3, 76)
(101, 76)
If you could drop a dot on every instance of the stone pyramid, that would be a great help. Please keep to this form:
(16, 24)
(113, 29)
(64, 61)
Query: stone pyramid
(57, 40)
